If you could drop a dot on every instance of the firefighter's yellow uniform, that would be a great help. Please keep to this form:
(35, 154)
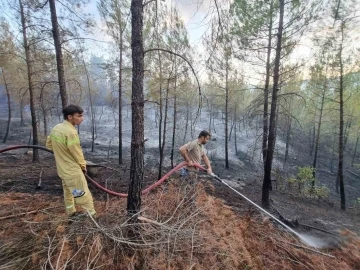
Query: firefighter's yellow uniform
(64, 141)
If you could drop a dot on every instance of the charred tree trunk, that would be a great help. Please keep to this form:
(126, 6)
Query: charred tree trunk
(161, 153)
(92, 113)
(187, 121)
(210, 117)
(120, 100)
(266, 88)
(174, 121)
(317, 140)
(341, 128)
(137, 106)
(213, 119)
(164, 130)
(43, 110)
(272, 127)
(235, 137)
(288, 135)
(58, 52)
(22, 123)
(227, 114)
(231, 129)
(30, 83)
(173, 131)
(45, 125)
(333, 154)
(355, 151)
(347, 130)
(9, 107)
(312, 138)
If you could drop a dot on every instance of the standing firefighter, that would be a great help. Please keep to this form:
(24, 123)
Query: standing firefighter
(70, 163)
(192, 152)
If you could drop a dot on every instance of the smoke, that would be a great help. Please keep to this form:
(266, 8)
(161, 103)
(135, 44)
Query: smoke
(316, 242)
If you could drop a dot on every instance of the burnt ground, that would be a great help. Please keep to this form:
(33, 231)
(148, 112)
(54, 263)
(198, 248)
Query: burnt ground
(19, 174)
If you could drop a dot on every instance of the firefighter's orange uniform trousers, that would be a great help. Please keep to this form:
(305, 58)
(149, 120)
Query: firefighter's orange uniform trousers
(64, 141)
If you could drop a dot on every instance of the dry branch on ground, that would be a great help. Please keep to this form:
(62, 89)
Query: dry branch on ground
(182, 227)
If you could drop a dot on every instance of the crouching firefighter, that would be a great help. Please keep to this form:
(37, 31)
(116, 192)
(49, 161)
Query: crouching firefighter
(70, 163)
(193, 152)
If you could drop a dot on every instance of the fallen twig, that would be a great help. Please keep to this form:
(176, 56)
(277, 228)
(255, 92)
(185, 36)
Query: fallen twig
(30, 212)
(315, 228)
(122, 240)
(297, 223)
(40, 176)
(152, 221)
(353, 173)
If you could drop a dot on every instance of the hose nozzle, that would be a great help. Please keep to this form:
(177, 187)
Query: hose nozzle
(216, 177)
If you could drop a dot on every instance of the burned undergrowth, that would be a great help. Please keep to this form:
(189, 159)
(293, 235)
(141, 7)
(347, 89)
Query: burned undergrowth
(180, 227)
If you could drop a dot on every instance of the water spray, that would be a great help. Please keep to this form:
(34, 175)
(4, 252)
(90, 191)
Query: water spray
(306, 239)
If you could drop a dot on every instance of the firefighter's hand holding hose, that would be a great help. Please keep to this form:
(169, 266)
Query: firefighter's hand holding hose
(189, 163)
(216, 177)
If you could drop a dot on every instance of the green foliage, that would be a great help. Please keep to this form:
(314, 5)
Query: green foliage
(305, 175)
(317, 192)
(305, 182)
(292, 180)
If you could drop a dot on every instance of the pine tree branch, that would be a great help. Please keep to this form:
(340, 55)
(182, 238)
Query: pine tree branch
(182, 57)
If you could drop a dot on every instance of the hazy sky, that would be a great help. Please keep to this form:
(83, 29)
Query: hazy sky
(196, 15)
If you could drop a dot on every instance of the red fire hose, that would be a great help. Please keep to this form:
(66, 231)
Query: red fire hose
(145, 191)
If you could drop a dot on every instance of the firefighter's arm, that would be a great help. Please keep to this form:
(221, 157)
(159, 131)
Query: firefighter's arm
(207, 163)
(49, 143)
(184, 153)
(73, 144)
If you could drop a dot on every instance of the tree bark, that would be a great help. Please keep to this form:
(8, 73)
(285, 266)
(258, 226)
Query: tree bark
(174, 130)
(30, 83)
(210, 117)
(317, 140)
(21, 112)
(58, 52)
(347, 130)
(161, 154)
(266, 88)
(227, 113)
(43, 111)
(137, 107)
(120, 100)
(288, 135)
(92, 112)
(187, 121)
(164, 130)
(312, 138)
(272, 127)
(235, 137)
(174, 119)
(213, 119)
(333, 152)
(355, 151)
(341, 135)
(231, 129)
(9, 106)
